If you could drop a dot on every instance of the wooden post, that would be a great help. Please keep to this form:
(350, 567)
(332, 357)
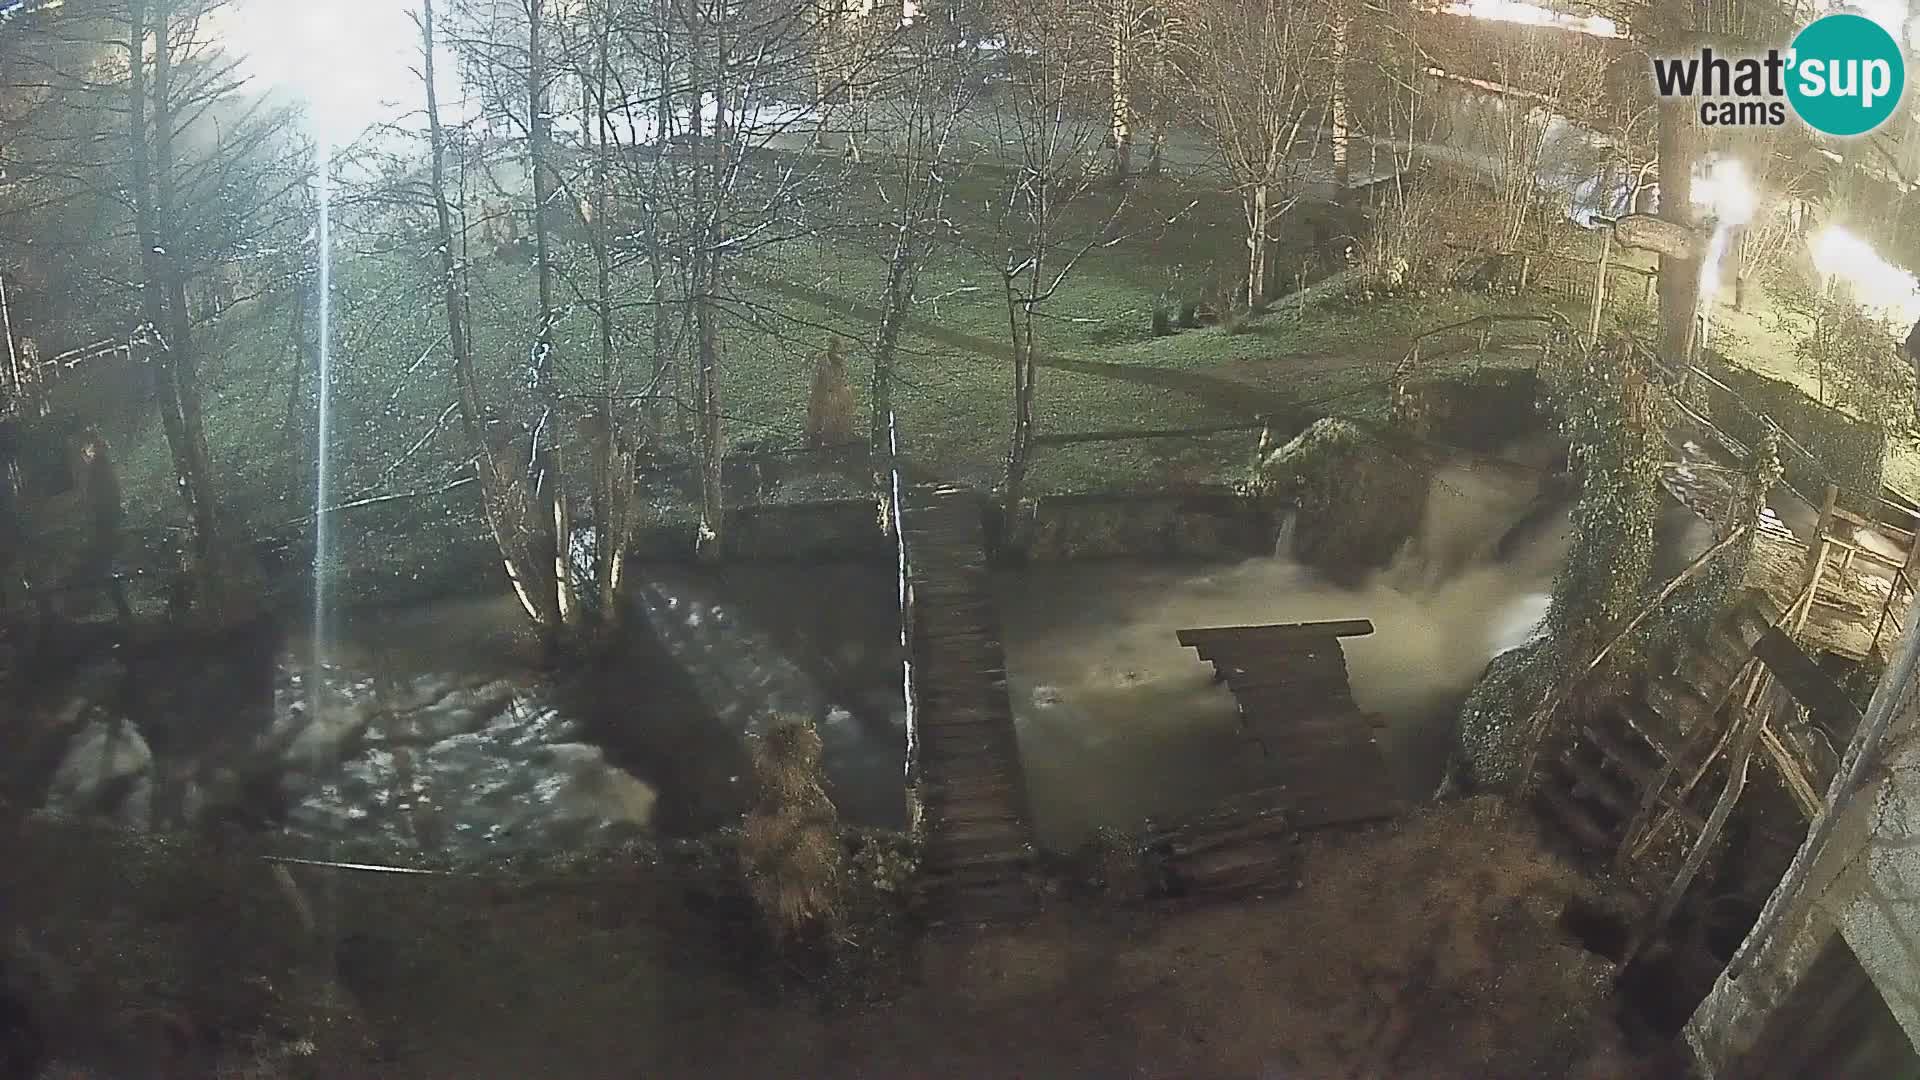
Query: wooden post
(1816, 559)
(13, 380)
(1813, 588)
(1600, 286)
(1827, 505)
(1526, 269)
(1902, 580)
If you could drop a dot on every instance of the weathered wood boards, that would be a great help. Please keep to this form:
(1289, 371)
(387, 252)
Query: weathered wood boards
(1244, 846)
(1297, 704)
(972, 792)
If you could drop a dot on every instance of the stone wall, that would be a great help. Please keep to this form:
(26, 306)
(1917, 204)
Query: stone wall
(1215, 525)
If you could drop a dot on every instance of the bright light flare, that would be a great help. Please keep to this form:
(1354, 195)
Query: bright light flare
(351, 62)
(1877, 284)
(1517, 11)
(1725, 192)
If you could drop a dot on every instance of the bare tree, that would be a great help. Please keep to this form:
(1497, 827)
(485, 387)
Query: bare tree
(1259, 75)
(522, 529)
(128, 116)
(1543, 76)
(919, 114)
(1049, 139)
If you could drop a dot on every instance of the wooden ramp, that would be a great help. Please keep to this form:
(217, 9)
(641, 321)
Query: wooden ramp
(1295, 701)
(978, 836)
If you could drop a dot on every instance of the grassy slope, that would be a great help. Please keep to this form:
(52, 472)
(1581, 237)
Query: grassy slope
(1102, 369)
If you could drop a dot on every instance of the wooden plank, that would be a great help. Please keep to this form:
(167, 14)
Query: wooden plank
(1901, 536)
(1809, 685)
(1278, 631)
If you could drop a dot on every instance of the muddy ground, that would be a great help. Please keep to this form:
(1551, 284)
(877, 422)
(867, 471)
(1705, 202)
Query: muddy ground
(1427, 948)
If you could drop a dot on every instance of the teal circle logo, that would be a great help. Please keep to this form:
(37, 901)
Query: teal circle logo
(1845, 75)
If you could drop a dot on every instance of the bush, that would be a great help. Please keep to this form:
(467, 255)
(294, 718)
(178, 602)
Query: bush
(1487, 754)
(1852, 353)
(1850, 452)
(790, 850)
(830, 407)
(1428, 231)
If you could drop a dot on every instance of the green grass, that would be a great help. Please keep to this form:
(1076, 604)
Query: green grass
(1101, 368)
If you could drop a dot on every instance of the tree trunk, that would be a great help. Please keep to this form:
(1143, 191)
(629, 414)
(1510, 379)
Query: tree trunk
(498, 492)
(1121, 116)
(712, 447)
(663, 366)
(163, 293)
(612, 482)
(1337, 109)
(1679, 148)
(1020, 445)
(708, 197)
(893, 316)
(1257, 217)
(547, 512)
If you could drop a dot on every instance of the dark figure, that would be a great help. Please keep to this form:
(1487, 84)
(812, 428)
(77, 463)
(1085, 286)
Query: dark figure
(830, 419)
(99, 483)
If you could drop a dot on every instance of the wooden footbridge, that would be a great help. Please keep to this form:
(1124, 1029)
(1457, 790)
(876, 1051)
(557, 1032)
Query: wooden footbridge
(970, 803)
(1295, 702)
(963, 754)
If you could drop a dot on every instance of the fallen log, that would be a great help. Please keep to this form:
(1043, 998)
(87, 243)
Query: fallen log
(1245, 845)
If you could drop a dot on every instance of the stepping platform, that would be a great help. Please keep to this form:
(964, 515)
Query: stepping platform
(1291, 683)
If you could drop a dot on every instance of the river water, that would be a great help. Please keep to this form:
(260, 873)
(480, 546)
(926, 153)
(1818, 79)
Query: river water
(433, 729)
(1118, 722)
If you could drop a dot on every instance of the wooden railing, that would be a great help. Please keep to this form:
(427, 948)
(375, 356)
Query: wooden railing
(1475, 338)
(896, 506)
(26, 377)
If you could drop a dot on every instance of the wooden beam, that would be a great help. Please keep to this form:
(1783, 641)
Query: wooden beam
(1790, 771)
(1809, 685)
(1279, 632)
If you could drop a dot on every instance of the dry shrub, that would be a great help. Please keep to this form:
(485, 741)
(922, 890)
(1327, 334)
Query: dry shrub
(791, 850)
(830, 402)
(1428, 232)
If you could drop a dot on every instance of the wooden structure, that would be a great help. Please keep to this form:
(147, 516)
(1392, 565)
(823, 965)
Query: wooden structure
(963, 754)
(1244, 846)
(1295, 702)
(1629, 775)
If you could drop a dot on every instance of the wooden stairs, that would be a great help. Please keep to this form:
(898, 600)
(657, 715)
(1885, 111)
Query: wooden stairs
(1595, 786)
(977, 830)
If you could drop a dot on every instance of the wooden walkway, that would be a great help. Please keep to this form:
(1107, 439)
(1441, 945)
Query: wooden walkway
(1295, 701)
(977, 831)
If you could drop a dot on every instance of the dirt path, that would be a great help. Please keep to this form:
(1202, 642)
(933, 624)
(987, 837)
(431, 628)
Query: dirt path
(1426, 949)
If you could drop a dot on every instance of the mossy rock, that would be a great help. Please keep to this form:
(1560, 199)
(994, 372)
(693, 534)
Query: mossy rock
(1487, 756)
(1357, 501)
